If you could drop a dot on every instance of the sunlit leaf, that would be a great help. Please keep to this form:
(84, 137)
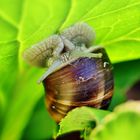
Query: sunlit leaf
(122, 124)
(23, 23)
(125, 75)
(82, 119)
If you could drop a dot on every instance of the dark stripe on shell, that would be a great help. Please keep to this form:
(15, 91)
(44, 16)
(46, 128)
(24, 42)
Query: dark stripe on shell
(85, 82)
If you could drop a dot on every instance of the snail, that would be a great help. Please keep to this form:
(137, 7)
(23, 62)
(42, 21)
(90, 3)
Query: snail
(78, 74)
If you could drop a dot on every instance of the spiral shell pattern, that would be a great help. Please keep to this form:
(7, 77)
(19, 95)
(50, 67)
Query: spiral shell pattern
(84, 82)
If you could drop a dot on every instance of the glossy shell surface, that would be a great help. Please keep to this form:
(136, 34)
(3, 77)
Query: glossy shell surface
(84, 82)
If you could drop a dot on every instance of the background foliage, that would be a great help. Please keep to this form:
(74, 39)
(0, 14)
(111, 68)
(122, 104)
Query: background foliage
(25, 22)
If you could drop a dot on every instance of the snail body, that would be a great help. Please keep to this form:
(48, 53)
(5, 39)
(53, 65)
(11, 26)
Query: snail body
(77, 75)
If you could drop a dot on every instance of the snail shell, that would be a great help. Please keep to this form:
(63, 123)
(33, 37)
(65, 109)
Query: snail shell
(83, 82)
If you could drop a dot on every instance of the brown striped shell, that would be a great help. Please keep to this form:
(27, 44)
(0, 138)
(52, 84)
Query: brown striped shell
(84, 82)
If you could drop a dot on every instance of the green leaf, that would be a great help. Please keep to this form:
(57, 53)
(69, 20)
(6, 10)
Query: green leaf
(116, 24)
(40, 126)
(125, 75)
(81, 119)
(132, 106)
(20, 107)
(23, 23)
(122, 124)
(3, 103)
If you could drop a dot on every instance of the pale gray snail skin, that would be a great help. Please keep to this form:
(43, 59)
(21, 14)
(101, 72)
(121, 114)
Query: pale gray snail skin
(44, 53)
(79, 34)
(78, 74)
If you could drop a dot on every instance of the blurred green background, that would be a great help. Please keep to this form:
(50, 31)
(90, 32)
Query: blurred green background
(25, 22)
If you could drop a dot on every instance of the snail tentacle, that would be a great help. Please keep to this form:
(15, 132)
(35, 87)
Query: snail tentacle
(69, 46)
(93, 48)
(78, 54)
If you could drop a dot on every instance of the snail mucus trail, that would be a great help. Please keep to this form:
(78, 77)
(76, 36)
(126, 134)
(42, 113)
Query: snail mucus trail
(78, 74)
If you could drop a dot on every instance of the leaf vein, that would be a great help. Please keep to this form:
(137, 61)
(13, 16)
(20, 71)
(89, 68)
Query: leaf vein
(114, 11)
